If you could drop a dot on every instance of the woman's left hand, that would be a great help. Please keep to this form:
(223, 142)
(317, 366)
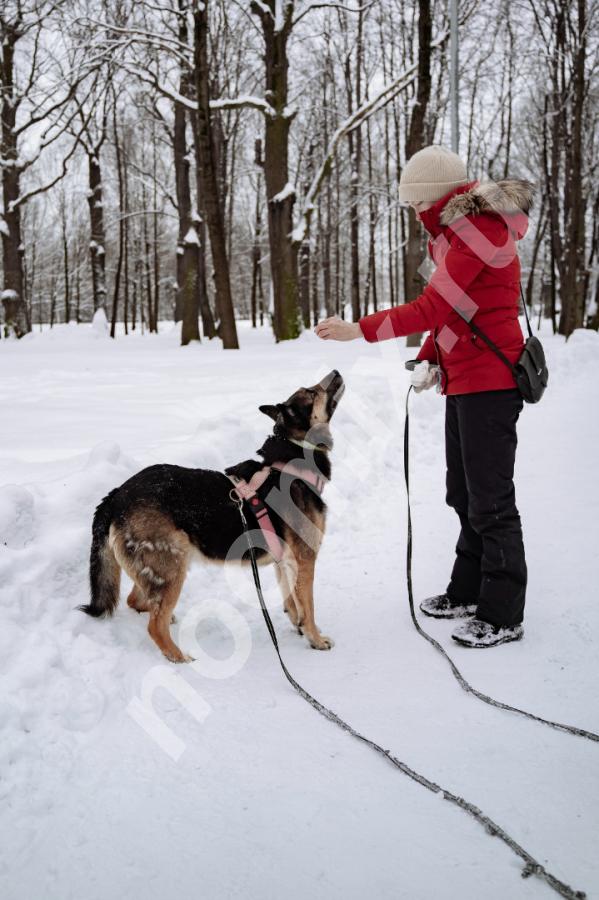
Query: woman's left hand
(336, 329)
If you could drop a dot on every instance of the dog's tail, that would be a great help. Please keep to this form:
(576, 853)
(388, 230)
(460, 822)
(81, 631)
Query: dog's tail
(104, 570)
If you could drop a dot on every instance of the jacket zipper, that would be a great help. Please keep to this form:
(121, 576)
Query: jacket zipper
(441, 369)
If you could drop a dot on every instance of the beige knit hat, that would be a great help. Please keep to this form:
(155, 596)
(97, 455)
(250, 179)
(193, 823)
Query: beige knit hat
(430, 174)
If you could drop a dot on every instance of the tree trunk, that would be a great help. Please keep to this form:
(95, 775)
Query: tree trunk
(205, 310)
(355, 156)
(78, 292)
(305, 263)
(552, 214)
(256, 259)
(146, 268)
(280, 195)
(538, 237)
(155, 235)
(208, 181)
(573, 283)
(65, 259)
(97, 242)
(594, 283)
(187, 305)
(125, 191)
(339, 304)
(53, 280)
(314, 299)
(304, 275)
(415, 141)
(388, 182)
(372, 221)
(15, 312)
(117, 284)
(119, 265)
(16, 320)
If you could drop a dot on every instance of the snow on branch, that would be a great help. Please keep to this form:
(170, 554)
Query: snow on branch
(262, 7)
(371, 106)
(242, 100)
(280, 13)
(171, 93)
(288, 191)
(191, 238)
(280, 19)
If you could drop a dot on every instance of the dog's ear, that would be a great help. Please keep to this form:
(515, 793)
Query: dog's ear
(270, 411)
(291, 414)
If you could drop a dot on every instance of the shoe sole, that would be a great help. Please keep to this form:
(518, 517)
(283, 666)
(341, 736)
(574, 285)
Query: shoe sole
(503, 640)
(451, 614)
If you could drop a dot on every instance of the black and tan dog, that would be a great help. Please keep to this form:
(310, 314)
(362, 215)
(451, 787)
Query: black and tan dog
(160, 519)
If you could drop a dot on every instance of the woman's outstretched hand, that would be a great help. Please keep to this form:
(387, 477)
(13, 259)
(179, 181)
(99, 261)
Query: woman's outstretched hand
(336, 329)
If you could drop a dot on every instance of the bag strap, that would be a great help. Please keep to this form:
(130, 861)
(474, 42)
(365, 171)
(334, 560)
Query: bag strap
(488, 340)
(525, 311)
(490, 344)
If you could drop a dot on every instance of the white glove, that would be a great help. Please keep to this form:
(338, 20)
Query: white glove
(424, 376)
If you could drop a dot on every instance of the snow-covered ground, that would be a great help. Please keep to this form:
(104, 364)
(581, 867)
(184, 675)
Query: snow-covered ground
(249, 793)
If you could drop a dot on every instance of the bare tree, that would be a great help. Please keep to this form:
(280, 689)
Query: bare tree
(29, 105)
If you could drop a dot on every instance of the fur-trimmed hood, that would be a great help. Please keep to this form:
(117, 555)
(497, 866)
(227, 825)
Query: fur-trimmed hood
(510, 197)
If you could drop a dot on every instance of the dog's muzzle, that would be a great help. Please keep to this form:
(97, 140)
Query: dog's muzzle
(334, 386)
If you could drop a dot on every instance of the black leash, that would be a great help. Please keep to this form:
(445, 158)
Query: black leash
(531, 865)
(569, 729)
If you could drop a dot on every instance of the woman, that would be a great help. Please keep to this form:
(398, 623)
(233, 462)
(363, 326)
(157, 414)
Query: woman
(473, 232)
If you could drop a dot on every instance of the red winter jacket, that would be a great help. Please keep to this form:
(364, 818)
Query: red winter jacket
(474, 229)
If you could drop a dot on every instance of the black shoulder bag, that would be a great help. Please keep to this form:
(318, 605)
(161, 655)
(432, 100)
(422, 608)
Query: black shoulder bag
(530, 372)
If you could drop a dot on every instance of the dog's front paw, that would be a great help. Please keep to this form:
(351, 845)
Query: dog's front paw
(321, 642)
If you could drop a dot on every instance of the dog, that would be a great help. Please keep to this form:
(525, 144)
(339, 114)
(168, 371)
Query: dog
(165, 516)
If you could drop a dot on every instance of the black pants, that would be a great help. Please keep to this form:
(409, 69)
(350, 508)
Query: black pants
(480, 445)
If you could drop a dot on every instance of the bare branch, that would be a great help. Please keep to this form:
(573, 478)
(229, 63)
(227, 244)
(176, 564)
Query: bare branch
(151, 79)
(138, 35)
(341, 6)
(46, 187)
(367, 109)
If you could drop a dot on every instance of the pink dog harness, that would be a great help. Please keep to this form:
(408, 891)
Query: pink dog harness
(247, 490)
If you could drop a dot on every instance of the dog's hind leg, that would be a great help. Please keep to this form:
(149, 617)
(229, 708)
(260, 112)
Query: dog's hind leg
(137, 600)
(160, 618)
(154, 555)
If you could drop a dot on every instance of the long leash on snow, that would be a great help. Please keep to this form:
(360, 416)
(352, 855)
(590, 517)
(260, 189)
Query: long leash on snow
(559, 726)
(531, 865)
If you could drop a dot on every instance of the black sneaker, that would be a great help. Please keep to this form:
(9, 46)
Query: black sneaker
(441, 607)
(477, 633)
